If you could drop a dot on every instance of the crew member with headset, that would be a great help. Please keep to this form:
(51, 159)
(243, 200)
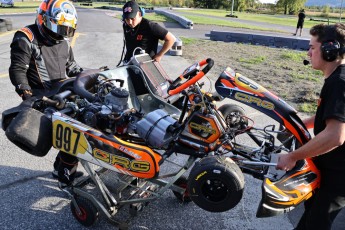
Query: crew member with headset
(327, 148)
(140, 32)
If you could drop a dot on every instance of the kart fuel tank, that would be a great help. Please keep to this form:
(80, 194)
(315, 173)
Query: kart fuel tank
(84, 142)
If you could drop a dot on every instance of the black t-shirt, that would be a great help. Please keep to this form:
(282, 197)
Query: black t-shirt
(331, 106)
(301, 17)
(145, 35)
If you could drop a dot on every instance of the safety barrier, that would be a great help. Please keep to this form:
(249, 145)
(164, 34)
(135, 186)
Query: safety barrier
(186, 23)
(176, 49)
(260, 39)
(85, 4)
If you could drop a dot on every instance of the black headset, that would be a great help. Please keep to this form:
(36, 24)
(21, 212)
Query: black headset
(331, 49)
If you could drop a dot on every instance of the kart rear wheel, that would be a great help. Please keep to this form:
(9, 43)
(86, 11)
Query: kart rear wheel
(89, 213)
(216, 184)
(232, 115)
(182, 182)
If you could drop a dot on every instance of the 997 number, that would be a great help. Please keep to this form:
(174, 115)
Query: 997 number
(66, 139)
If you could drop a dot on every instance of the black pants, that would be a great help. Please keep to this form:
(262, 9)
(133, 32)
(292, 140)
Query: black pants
(323, 207)
(66, 165)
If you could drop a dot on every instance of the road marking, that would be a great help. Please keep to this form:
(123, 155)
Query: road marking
(75, 38)
(3, 75)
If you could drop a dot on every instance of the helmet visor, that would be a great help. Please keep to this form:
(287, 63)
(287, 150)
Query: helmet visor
(63, 30)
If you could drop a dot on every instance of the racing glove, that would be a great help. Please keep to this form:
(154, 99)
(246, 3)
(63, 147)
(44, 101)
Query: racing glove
(24, 91)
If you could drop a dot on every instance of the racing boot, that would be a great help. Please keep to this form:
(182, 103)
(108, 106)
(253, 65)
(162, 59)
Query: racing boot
(67, 170)
(55, 172)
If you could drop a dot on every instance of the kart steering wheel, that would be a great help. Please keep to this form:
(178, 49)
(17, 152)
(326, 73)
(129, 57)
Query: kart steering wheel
(192, 75)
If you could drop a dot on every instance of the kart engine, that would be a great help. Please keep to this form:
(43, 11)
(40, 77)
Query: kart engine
(111, 114)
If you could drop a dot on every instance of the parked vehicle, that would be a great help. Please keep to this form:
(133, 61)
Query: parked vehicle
(7, 3)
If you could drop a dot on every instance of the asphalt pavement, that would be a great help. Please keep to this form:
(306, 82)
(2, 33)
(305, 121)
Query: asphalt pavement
(30, 198)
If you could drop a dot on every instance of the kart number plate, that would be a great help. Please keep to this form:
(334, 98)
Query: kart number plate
(68, 139)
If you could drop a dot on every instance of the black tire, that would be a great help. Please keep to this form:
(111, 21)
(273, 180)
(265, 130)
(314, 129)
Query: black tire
(8, 23)
(89, 213)
(183, 183)
(2, 26)
(31, 131)
(216, 184)
(233, 115)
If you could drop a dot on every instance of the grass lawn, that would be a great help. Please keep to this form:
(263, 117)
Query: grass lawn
(223, 22)
(285, 20)
(21, 7)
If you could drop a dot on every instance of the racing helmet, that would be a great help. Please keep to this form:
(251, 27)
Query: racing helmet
(56, 19)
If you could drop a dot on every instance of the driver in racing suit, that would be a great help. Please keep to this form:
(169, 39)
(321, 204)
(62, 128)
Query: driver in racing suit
(41, 56)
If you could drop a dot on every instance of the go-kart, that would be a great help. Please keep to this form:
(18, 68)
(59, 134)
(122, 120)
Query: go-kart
(114, 121)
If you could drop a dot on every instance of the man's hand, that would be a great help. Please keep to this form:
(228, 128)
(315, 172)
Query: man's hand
(157, 58)
(26, 94)
(286, 162)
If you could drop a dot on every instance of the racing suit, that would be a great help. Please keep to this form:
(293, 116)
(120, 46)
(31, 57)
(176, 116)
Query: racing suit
(36, 63)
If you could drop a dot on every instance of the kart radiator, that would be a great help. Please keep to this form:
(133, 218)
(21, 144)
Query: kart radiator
(157, 78)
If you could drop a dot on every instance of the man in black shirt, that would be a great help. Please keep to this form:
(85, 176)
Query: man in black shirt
(327, 148)
(40, 57)
(140, 32)
(300, 22)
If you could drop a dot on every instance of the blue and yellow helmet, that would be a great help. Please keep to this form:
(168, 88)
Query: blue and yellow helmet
(58, 18)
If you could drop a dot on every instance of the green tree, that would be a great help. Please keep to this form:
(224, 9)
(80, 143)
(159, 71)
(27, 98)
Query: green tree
(291, 6)
(210, 4)
(242, 5)
(326, 10)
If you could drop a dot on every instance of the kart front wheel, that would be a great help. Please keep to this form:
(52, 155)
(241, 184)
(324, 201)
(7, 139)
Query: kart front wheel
(233, 115)
(216, 184)
(88, 212)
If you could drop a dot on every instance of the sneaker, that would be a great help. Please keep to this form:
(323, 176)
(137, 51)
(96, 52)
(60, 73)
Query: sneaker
(55, 174)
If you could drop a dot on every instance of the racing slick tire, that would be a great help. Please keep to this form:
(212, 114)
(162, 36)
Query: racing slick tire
(8, 23)
(3, 25)
(182, 182)
(216, 184)
(233, 115)
(31, 131)
(89, 213)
